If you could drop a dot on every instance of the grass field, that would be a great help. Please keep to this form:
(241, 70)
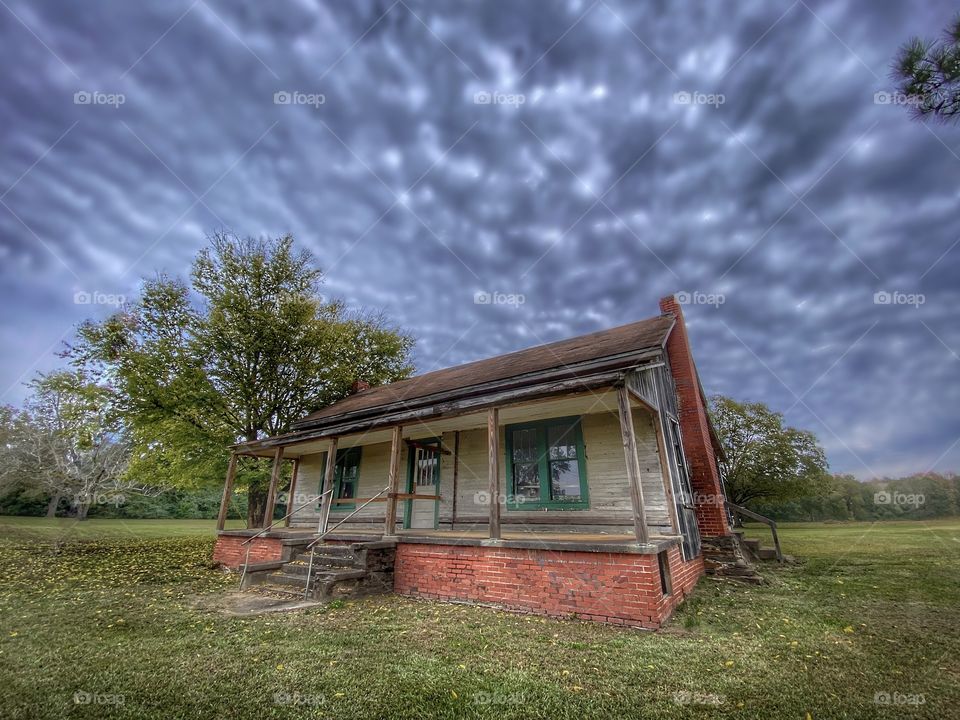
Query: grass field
(99, 620)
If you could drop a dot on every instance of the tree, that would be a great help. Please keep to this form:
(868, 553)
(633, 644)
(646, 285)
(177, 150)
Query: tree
(241, 352)
(764, 460)
(65, 443)
(928, 74)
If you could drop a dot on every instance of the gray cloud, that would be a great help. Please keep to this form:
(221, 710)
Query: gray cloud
(797, 198)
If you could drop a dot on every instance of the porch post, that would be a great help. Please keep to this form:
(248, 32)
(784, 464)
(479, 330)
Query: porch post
(227, 492)
(393, 482)
(633, 463)
(291, 502)
(493, 470)
(328, 477)
(272, 492)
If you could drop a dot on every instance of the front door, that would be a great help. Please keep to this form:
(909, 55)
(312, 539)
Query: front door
(423, 478)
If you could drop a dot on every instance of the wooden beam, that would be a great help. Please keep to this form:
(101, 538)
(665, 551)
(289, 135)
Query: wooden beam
(227, 492)
(328, 476)
(426, 446)
(292, 492)
(633, 463)
(272, 492)
(493, 470)
(456, 471)
(393, 480)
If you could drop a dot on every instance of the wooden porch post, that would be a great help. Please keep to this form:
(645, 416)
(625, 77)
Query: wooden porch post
(633, 463)
(328, 477)
(493, 471)
(393, 481)
(272, 492)
(291, 502)
(227, 492)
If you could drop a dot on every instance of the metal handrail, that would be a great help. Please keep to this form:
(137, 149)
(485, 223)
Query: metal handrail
(312, 547)
(740, 510)
(268, 528)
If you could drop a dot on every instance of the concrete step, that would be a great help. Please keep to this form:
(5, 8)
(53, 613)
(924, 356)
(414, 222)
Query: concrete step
(300, 564)
(767, 553)
(751, 543)
(270, 589)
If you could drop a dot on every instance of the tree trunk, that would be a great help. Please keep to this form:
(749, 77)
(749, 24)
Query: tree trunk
(82, 509)
(52, 506)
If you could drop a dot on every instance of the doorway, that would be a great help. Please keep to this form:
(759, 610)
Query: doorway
(423, 478)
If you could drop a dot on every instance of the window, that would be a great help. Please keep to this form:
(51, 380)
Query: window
(346, 477)
(546, 465)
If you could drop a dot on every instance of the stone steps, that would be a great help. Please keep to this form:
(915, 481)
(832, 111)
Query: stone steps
(338, 571)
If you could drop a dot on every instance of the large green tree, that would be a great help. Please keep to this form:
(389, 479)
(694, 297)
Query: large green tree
(764, 459)
(928, 74)
(243, 350)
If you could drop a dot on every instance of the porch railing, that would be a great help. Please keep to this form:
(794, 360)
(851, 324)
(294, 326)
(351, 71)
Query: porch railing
(312, 547)
(248, 542)
(750, 514)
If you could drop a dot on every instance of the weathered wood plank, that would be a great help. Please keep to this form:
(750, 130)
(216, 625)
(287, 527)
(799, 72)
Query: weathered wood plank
(227, 492)
(272, 492)
(292, 492)
(393, 480)
(632, 463)
(493, 470)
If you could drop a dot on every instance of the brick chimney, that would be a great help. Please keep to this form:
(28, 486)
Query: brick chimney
(359, 386)
(695, 429)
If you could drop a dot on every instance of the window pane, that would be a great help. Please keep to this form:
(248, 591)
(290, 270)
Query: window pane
(524, 446)
(565, 480)
(347, 490)
(526, 481)
(562, 441)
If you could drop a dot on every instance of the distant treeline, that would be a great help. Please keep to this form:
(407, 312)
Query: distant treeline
(916, 497)
(174, 504)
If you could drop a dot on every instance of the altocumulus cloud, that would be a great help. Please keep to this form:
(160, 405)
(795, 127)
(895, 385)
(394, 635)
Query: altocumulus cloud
(589, 157)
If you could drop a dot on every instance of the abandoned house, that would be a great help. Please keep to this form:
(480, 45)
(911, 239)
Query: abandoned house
(577, 478)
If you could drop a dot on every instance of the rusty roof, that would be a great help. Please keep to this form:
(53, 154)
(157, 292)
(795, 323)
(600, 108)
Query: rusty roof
(643, 335)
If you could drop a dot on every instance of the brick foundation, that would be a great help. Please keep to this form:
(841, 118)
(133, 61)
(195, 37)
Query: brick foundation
(695, 429)
(618, 588)
(230, 552)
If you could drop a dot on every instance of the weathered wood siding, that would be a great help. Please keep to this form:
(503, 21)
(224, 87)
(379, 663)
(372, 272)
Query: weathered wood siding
(605, 466)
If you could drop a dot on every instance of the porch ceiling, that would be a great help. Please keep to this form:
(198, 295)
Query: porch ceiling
(584, 403)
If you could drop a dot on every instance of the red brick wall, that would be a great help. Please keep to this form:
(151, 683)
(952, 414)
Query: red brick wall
(230, 551)
(704, 476)
(619, 588)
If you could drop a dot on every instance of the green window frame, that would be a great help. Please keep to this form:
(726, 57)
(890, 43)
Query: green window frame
(540, 457)
(346, 476)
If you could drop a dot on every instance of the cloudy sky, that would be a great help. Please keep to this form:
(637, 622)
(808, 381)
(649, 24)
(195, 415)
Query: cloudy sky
(586, 158)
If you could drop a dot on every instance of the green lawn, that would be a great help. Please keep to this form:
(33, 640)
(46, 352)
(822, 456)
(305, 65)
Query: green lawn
(106, 609)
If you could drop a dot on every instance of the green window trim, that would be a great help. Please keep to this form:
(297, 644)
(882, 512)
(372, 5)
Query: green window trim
(541, 430)
(346, 458)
